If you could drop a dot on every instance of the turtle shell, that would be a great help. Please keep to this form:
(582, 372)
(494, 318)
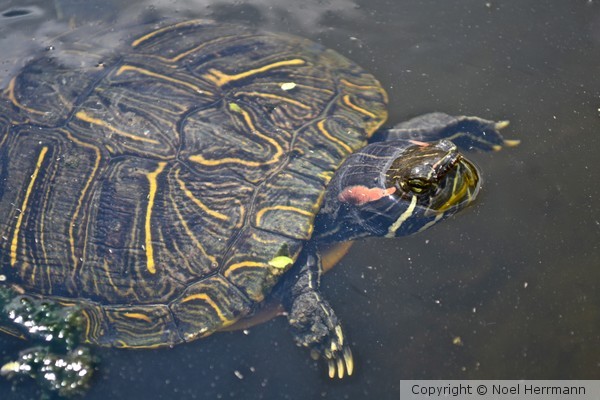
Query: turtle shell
(165, 184)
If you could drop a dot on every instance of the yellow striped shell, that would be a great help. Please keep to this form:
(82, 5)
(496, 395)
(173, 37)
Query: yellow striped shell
(164, 186)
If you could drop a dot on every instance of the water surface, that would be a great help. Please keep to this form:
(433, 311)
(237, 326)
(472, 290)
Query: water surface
(516, 277)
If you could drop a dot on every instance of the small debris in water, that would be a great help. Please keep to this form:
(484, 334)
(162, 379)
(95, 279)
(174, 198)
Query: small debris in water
(457, 341)
(281, 262)
(238, 374)
(235, 108)
(288, 86)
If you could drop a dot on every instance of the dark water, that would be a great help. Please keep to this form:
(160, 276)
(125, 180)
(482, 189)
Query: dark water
(515, 277)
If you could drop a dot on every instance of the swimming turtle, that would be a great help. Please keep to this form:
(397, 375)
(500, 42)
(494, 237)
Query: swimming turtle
(168, 185)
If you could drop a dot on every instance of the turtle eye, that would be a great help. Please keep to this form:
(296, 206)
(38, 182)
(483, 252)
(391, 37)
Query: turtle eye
(417, 185)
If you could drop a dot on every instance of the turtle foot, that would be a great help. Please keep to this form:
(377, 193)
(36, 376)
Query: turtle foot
(315, 326)
(467, 132)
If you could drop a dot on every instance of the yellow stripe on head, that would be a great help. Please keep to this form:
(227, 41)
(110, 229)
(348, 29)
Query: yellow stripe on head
(403, 217)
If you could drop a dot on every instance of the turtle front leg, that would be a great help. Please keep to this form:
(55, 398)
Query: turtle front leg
(468, 133)
(312, 320)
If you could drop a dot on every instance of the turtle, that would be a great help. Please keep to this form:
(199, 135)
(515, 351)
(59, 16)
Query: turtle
(170, 184)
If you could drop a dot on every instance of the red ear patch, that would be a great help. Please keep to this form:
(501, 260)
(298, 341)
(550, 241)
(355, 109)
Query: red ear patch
(359, 195)
(419, 143)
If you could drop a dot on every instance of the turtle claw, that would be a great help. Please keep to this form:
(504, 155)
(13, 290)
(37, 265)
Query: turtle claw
(349, 360)
(341, 364)
(339, 358)
(505, 142)
(511, 142)
(330, 346)
(501, 124)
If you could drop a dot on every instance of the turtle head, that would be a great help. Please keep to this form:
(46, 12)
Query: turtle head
(435, 176)
(397, 188)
